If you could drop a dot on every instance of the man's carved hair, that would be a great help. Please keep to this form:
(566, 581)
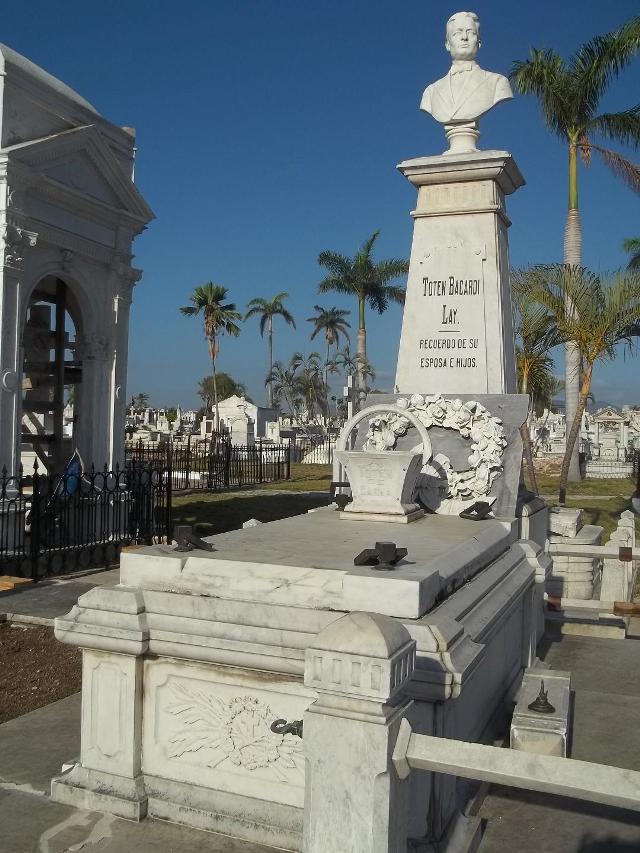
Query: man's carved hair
(471, 15)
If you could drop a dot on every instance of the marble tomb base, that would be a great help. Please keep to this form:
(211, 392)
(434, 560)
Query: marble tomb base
(189, 660)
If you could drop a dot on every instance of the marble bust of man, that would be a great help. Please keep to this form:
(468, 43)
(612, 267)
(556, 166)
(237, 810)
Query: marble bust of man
(468, 91)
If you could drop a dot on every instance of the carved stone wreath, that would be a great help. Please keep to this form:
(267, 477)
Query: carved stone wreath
(439, 485)
(237, 729)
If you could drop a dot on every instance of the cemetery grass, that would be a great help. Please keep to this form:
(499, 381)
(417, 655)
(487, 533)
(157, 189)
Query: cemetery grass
(35, 669)
(219, 512)
(602, 500)
(304, 478)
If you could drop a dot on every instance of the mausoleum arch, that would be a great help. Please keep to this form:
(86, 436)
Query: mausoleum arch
(58, 316)
(81, 303)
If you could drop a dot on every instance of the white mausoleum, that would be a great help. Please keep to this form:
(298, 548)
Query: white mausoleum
(69, 212)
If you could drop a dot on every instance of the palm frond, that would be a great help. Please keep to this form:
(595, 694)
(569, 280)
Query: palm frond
(545, 75)
(622, 168)
(632, 247)
(623, 127)
(602, 59)
(336, 264)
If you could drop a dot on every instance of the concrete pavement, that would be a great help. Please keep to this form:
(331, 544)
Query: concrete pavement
(32, 750)
(605, 680)
(42, 602)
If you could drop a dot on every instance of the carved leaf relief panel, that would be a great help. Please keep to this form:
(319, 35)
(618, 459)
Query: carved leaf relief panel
(229, 733)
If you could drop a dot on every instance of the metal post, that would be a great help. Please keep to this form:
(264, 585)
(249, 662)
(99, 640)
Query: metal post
(58, 394)
(35, 524)
(227, 464)
(168, 508)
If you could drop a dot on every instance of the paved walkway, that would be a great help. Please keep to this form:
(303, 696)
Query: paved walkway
(32, 750)
(42, 602)
(605, 678)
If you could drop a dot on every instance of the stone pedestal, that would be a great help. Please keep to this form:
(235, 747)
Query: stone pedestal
(360, 666)
(544, 734)
(573, 577)
(108, 776)
(617, 576)
(457, 330)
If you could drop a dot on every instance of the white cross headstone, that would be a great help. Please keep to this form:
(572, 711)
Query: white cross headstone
(351, 394)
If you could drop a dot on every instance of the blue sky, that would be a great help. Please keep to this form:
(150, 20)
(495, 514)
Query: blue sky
(269, 131)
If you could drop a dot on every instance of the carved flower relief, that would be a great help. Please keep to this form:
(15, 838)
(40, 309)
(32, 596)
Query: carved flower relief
(236, 730)
(16, 242)
(472, 421)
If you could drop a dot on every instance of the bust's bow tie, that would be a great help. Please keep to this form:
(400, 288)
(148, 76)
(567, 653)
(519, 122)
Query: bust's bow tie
(458, 68)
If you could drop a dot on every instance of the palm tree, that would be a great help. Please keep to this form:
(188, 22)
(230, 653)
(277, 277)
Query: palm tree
(596, 314)
(283, 380)
(267, 309)
(353, 365)
(333, 322)
(310, 383)
(218, 318)
(632, 246)
(369, 281)
(536, 335)
(569, 95)
(141, 401)
(343, 360)
(226, 386)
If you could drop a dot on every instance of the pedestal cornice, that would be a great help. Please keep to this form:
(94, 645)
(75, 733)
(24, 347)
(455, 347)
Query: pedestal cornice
(498, 166)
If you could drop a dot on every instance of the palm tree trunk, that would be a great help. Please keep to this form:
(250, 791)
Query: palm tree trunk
(526, 442)
(572, 437)
(573, 256)
(269, 385)
(361, 350)
(212, 350)
(326, 366)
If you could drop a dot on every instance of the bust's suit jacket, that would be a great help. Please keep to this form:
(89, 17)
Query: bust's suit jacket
(480, 90)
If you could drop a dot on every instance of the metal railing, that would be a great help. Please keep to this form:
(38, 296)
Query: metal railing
(214, 464)
(59, 523)
(312, 450)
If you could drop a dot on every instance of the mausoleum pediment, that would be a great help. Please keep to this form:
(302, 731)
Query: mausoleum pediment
(81, 162)
(80, 173)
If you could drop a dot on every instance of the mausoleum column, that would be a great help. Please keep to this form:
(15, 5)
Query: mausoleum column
(15, 243)
(94, 348)
(354, 800)
(118, 390)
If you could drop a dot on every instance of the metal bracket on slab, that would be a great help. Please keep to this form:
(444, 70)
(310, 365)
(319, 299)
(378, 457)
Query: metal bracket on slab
(186, 540)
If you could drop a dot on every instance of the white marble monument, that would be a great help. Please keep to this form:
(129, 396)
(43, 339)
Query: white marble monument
(189, 661)
(457, 331)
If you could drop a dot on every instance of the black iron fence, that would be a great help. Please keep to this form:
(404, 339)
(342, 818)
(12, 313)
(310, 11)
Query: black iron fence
(214, 464)
(56, 524)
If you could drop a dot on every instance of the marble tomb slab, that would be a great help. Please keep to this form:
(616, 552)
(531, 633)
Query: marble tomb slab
(307, 561)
